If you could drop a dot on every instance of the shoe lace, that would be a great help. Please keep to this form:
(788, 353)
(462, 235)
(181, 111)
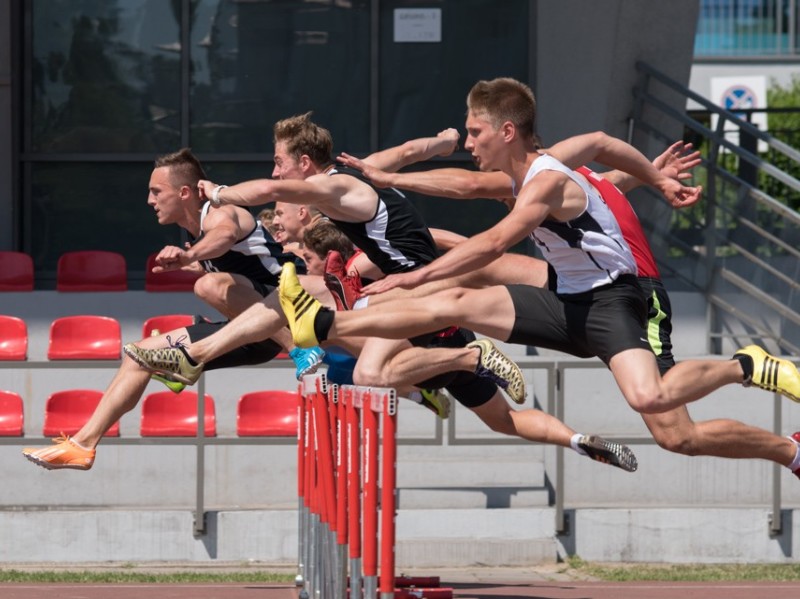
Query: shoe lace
(179, 343)
(62, 438)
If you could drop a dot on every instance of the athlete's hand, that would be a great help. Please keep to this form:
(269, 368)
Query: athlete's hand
(405, 280)
(452, 136)
(378, 177)
(679, 195)
(677, 160)
(205, 188)
(168, 259)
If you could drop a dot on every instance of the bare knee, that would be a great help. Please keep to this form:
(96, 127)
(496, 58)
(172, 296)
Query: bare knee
(372, 375)
(210, 290)
(675, 440)
(647, 400)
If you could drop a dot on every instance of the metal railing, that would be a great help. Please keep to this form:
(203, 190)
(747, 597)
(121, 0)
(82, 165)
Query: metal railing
(551, 398)
(740, 246)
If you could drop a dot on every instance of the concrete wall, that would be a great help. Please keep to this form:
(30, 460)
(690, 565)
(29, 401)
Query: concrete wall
(585, 57)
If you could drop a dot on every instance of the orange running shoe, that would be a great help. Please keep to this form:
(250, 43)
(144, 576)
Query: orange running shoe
(64, 454)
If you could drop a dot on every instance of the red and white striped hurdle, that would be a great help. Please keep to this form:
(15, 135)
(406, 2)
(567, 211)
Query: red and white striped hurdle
(347, 442)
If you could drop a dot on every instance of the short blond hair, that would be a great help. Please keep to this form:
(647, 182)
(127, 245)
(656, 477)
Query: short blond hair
(505, 99)
(304, 137)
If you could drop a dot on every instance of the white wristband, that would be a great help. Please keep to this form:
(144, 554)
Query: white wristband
(215, 201)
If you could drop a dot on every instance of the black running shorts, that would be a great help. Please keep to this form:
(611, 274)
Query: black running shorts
(602, 322)
(467, 388)
(246, 355)
(659, 322)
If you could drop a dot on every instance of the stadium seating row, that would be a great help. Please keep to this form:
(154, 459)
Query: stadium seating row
(92, 270)
(164, 414)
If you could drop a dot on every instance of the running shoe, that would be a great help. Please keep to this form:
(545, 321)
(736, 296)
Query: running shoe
(771, 373)
(345, 288)
(170, 362)
(307, 360)
(436, 401)
(496, 366)
(298, 306)
(608, 452)
(64, 454)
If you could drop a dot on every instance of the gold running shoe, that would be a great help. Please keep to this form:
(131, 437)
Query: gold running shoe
(496, 366)
(608, 452)
(436, 401)
(170, 362)
(300, 307)
(64, 454)
(771, 373)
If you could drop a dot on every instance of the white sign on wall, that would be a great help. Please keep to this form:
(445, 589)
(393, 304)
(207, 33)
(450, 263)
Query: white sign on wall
(737, 93)
(418, 25)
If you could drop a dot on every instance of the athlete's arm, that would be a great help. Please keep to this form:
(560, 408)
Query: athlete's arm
(446, 240)
(314, 190)
(453, 183)
(533, 205)
(617, 154)
(414, 150)
(674, 162)
(222, 227)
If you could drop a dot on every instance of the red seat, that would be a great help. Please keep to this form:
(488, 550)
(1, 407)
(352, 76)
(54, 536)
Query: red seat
(267, 414)
(173, 280)
(92, 270)
(67, 411)
(166, 322)
(11, 414)
(16, 271)
(85, 338)
(166, 414)
(13, 338)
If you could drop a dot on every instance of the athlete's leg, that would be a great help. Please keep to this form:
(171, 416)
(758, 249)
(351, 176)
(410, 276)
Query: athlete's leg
(228, 293)
(530, 424)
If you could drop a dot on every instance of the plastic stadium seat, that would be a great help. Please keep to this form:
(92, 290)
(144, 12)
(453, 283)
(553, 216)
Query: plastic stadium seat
(85, 338)
(165, 414)
(173, 280)
(16, 271)
(267, 414)
(92, 270)
(67, 411)
(13, 338)
(11, 414)
(166, 322)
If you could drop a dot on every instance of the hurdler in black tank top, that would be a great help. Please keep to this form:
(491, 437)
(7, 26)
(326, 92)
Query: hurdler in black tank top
(396, 238)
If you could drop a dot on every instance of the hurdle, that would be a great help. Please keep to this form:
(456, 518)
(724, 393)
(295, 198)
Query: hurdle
(346, 480)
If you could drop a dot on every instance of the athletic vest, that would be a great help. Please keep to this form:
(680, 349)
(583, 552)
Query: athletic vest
(628, 222)
(395, 239)
(256, 256)
(588, 251)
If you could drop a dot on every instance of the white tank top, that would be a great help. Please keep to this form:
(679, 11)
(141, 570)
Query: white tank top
(588, 251)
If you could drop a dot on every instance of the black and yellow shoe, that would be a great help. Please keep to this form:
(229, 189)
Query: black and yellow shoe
(771, 373)
(299, 307)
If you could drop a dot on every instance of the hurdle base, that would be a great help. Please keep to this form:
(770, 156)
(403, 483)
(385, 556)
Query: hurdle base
(424, 593)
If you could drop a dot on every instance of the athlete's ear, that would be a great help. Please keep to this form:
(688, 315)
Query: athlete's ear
(305, 163)
(185, 192)
(509, 131)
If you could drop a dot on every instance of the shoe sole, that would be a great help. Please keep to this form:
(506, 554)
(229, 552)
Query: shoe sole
(336, 288)
(49, 466)
(175, 376)
(608, 452)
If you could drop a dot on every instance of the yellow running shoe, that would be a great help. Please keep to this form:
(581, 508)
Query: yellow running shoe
(300, 308)
(436, 401)
(499, 368)
(771, 373)
(64, 454)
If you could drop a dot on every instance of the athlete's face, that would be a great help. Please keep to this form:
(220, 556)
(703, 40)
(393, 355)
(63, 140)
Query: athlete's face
(288, 222)
(314, 264)
(164, 198)
(286, 165)
(483, 141)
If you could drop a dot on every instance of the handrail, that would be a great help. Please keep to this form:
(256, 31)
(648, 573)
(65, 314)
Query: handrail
(556, 369)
